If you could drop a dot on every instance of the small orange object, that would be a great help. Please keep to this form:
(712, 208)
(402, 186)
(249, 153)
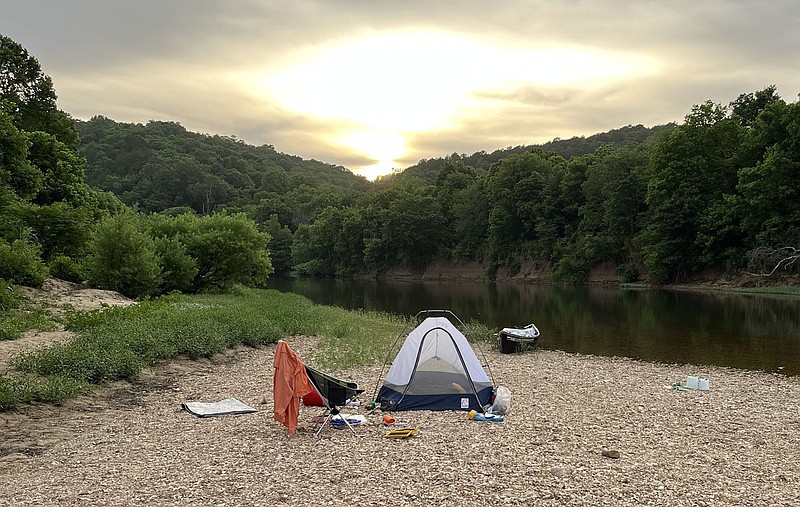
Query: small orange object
(387, 419)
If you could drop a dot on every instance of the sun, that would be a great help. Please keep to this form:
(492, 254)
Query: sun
(376, 90)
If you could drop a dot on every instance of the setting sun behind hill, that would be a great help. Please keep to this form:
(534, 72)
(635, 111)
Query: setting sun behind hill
(376, 91)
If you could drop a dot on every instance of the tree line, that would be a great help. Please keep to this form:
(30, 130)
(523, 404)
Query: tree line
(705, 195)
(53, 223)
(717, 192)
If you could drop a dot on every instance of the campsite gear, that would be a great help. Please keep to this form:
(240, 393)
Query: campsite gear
(402, 433)
(334, 393)
(312, 399)
(474, 416)
(339, 421)
(387, 419)
(502, 401)
(435, 369)
(683, 387)
(290, 383)
(228, 406)
(703, 384)
(679, 387)
(511, 338)
(692, 382)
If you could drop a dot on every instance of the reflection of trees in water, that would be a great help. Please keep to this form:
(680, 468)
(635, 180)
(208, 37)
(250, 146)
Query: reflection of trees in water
(744, 331)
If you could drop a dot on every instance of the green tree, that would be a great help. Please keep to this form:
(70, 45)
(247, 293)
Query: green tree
(748, 106)
(61, 168)
(693, 167)
(280, 245)
(614, 191)
(314, 249)
(770, 189)
(122, 257)
(527, 208)
(413, 226)
(16, 171)
(27, 94)
(228, 249)
(470, 219)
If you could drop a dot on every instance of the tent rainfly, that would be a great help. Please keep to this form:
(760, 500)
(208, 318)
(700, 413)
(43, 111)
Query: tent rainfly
(435, 369)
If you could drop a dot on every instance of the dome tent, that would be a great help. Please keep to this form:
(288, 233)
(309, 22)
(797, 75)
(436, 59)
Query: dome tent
(435, 369)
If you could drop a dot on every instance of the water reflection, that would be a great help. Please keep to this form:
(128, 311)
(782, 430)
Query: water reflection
(700, 327)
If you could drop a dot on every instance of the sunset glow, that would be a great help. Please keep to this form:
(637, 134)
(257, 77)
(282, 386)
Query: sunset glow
(380, 88)
(377, 87)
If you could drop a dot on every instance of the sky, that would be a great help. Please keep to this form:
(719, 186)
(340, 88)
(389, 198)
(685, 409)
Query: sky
(377, 85)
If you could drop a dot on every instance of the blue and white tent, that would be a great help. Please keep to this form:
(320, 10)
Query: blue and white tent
(436, 369)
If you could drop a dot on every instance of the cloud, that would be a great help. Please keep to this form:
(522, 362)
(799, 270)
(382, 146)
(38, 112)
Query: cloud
(434, 77)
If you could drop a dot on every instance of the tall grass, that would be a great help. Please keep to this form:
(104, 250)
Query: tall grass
(354, 338)
(116, 343)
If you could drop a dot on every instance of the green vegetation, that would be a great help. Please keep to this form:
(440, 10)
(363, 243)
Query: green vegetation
(27, 388)
(17, 314)
(661, 204)
(710, 195)
(159, 210)
(161, 165)
(116, 343)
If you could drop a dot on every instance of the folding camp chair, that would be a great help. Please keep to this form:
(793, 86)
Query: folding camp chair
(334, 393)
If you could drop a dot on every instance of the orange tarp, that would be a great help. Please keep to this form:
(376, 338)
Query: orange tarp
(290, 384)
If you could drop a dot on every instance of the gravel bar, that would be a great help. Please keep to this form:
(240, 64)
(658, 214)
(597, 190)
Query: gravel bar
(583, 430)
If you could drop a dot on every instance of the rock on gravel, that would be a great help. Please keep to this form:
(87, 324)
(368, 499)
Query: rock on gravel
(132, 444)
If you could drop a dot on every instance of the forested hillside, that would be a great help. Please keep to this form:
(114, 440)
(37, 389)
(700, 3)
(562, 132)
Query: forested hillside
(427, 169)
(52, 223)
(718, 193)
(148, 209)
(161, 165)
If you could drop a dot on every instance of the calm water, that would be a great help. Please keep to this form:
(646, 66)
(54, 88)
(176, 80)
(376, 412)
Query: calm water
(700, 327)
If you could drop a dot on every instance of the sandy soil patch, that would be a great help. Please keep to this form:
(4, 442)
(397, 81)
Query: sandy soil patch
(60, 295)
(130, 444)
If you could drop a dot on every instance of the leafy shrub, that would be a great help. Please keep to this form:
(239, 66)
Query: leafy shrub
(21, 263)
(228, 249)
(178, 268)
(65, 268)
(9, 296)
(122, 257)
(628, 273)
(60, 229)
(571, 267)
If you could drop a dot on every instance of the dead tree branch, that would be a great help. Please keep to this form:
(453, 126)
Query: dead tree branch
(762, 258)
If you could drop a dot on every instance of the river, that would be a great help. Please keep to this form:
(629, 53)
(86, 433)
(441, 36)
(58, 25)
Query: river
(747, 331)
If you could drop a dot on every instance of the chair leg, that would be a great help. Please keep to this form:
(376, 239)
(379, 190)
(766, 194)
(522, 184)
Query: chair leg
(330, 416)
(349, 426)
(323, 423)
